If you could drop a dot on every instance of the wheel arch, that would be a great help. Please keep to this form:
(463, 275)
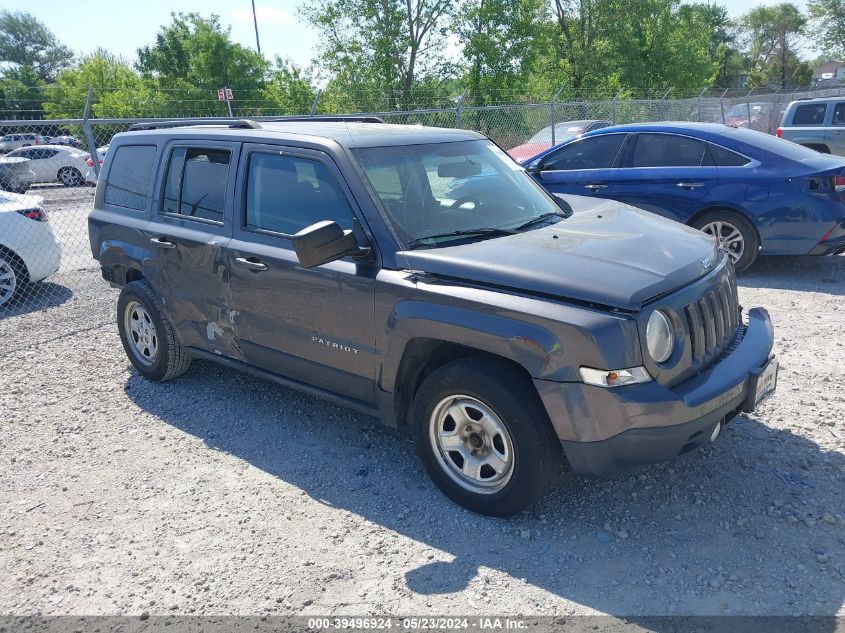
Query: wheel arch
(725, 208)
(422, 356)
(11, 253)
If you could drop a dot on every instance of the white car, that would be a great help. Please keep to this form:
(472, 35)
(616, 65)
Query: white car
(91, 174)
(29, 250)
(53, 163)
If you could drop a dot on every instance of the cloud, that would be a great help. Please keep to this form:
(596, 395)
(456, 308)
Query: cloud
(265, 14)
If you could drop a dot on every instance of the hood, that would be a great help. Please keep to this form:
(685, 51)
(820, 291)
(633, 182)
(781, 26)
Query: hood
(523, 152)
(606, 253)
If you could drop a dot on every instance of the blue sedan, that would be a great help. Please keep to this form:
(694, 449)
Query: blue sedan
(754, 192)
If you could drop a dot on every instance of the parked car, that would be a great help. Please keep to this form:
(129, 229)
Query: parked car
(16, 175)
(53, 163)
(755, 192)
(502, 335)
(816, 123)
(542, 140)
(70, 141)
(14, 141)
(91, 173)
(756, 115)
(29, 250)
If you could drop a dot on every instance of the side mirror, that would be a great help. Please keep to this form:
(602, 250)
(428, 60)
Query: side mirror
(535, 166)
(324, 242)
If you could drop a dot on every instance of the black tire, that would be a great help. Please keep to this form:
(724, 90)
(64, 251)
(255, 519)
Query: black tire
(170, 359)
(750, 238)
(536, 460)
(14, 276)
(69, 177)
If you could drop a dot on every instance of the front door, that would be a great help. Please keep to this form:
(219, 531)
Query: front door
(189, 230)
(312, 325)
(585, 167)
(668, 174)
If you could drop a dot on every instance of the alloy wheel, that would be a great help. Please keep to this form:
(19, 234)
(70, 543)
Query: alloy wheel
(8, 281)
(730, 238)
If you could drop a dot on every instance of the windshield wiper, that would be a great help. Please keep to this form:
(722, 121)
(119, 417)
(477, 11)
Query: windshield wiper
(540, 218)
(480, 232)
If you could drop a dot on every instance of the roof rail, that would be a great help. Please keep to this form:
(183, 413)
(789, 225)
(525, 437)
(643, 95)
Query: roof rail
(333, 119)
(251, 123)
(233, 123)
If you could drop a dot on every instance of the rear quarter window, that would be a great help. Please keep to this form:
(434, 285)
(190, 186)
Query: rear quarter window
(128, 180)
(809, 114)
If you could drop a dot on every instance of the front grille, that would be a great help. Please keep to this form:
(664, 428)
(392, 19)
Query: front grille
(712, 321)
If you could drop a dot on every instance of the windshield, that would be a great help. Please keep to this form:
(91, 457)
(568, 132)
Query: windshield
(442, 188)
(563, 132)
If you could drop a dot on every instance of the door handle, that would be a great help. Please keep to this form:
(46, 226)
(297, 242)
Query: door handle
(162, 242)
(251, 263)
(595, 186)
(690, 185)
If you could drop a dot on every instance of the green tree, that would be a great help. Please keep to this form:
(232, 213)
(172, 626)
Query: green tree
(662, 44)
(118, 90)
(192, 57)
(581, 42)
(395, 47)
(21, 94)
(290, 89)
(828, 22)
(773, 35)
(26, 41)
(501, 41)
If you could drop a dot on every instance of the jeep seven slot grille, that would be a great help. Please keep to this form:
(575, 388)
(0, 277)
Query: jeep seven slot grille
(712, 321)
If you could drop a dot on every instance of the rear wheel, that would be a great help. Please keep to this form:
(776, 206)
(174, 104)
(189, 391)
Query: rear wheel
(147, 335)
(483, 436)
(70, 176)
(13, 276)
(736, 235)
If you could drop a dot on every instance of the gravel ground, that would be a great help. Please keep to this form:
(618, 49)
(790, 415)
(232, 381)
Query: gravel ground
(219, 493)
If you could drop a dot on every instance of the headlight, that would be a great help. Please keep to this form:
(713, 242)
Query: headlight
(660, 337)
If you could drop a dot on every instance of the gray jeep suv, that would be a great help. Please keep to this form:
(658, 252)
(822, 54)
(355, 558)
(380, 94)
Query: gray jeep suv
(508, 337)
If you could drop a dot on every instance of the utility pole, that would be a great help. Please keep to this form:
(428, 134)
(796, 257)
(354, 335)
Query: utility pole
(255, 22)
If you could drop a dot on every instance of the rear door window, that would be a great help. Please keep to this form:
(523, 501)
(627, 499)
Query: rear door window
(285, 194)
(196, 183)
(809, 114)
(593, 152)
(667, 150)
(128, 180)
(839, 114)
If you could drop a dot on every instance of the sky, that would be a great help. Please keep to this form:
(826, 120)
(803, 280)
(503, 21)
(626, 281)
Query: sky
(123, 26)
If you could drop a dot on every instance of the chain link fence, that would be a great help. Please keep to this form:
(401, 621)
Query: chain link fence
(48, 173)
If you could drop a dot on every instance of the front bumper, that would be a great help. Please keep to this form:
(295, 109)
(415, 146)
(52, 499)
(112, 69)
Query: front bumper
(605, 432)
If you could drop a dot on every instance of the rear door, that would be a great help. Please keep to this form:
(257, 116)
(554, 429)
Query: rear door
(835, 134)
(188, 232)
(312, 325)
(668, 174)
(584, 167)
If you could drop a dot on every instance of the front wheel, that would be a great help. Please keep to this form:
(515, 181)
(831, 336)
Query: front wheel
(736, 235)
(147, 335)
(484, 437)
